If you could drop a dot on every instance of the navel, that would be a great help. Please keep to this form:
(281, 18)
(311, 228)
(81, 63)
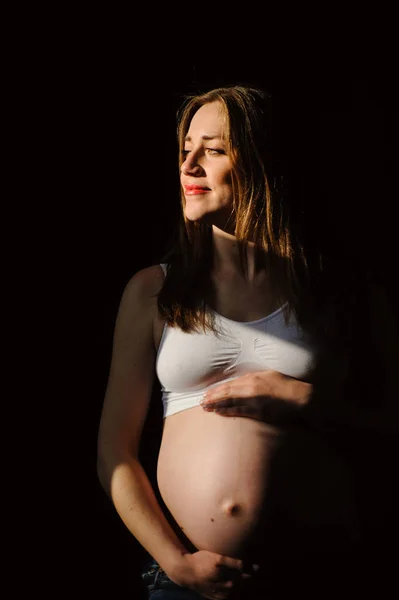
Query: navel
(232, 509)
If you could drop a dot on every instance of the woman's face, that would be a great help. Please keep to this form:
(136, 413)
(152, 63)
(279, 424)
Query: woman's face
(206, 170)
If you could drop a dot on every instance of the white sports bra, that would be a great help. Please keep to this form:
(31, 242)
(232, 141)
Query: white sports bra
(187, 364)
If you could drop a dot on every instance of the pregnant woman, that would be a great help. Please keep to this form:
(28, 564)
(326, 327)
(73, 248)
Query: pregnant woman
(229, 313)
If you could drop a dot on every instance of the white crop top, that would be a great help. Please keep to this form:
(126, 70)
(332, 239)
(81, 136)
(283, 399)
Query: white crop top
(187, 364)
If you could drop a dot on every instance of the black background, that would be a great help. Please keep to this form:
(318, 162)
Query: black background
(118, 88)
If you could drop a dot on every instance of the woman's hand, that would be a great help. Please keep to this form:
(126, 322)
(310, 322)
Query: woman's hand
(209, 574)
(264, 395)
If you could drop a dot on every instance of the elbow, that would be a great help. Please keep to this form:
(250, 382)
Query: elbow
(109, 458)
(105, 467)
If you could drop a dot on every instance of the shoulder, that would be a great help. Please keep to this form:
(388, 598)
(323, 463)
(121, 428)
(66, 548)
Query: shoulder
(140, 294)
(144, 284)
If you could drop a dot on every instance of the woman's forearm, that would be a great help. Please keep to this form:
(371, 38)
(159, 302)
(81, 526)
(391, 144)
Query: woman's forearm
(134, 499)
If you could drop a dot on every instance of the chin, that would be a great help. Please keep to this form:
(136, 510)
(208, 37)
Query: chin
(217, 217)
(199, 216)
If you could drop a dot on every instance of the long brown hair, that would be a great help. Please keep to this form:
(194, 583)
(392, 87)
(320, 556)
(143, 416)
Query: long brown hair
(261, 210)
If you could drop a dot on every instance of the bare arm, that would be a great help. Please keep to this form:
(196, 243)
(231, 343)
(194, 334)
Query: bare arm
(123, 415)
(277, 399)
(266, 396)
(122, 476)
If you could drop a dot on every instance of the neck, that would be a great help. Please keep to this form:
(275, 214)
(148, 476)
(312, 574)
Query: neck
(226, 257)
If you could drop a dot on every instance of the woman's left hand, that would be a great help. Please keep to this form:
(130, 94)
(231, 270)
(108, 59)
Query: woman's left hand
(267, 396)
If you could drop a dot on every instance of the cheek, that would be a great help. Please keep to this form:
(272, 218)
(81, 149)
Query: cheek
(227, 185)
(226, 195)
(226, 179)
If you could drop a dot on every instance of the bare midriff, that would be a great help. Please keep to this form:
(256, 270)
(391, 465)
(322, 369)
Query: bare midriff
(213, 477)
(216, 475)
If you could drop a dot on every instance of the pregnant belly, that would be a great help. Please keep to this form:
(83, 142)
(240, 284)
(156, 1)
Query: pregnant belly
(213, 477)
(218, 476)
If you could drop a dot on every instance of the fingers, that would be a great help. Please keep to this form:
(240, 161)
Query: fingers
(216, 403)
(244, 414)
(222, 589)
(236, 407)
(236, 564)
(263, 384)
(225, 588)
(240, 387)
(231, 563)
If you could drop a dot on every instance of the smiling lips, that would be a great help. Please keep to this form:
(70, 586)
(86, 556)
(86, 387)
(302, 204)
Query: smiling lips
(191, 190)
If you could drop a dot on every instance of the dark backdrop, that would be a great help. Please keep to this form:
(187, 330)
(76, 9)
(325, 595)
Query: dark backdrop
(94, 94)
(339, 127)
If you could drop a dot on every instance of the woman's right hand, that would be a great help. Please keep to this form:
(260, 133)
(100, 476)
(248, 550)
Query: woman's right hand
(209, 574)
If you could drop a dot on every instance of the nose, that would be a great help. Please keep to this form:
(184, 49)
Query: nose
(191, 166)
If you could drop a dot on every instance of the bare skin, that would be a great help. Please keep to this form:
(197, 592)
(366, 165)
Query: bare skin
(266, 396)
(122, 476)
(213, 471)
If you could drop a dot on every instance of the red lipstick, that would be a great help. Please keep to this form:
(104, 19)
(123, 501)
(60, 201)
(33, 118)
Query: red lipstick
(191, 190)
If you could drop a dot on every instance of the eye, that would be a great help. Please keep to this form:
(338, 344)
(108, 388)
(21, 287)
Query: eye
(211, 151)
(215, 151)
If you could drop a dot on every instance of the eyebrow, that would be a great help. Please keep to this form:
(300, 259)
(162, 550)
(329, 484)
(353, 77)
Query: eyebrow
(204, 137)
